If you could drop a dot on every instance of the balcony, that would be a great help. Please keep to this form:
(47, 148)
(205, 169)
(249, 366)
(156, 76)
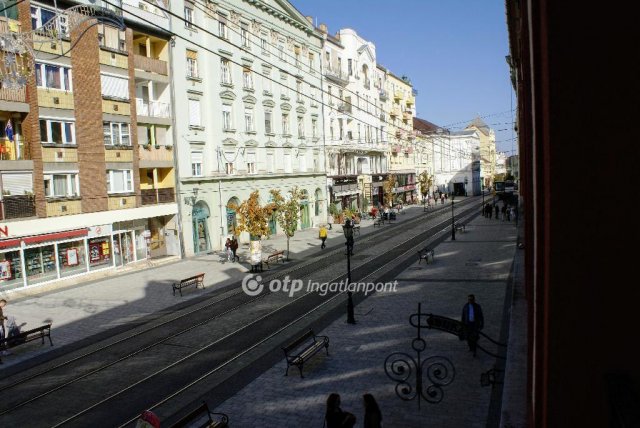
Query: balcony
(384, 96)
(158, 196)
(395, 111)
(344, 107)
(397, 95)
(9, 25)
(18, 206)
(13, 150)
(336, 76)
(153, 108)
(406, 116)
(411, 100)
(150, 65)
(14, 95)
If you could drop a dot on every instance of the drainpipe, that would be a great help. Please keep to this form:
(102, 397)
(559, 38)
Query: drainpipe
(324, 135)
(174, 133)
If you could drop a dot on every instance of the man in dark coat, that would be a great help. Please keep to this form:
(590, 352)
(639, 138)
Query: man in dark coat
(473, 321)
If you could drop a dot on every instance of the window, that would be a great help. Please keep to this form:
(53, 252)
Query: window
(53, 77)
(228, 165)
(267, 83)
(192, 64)
(251, 163)
(299, 90)
(189, 17)
(302, 163)
(196, 163)
(311, 60)
(57, 132)
(63, 185)
(287, 163)
(247, 78)
(271, 163)
(223, 30)
(281, 48)
(119, 181)
(314, 127)
(227, 123)
(194, 113)
(300, 127)
(112, 38)
(248, 120)
(244, 34)
(116, 133)
(114, 87)
(225, 71)
(264, 44)
(285, 123)
(40, 16)
(350, 67)
(268, 129)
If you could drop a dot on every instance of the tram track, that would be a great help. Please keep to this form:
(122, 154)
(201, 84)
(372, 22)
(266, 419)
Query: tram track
(272, 313)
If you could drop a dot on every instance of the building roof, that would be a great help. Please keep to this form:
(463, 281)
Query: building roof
(425, 126)
(480, 125)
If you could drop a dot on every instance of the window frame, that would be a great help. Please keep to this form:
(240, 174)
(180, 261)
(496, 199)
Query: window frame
(63, 131)
(72, 180)
(127, 180)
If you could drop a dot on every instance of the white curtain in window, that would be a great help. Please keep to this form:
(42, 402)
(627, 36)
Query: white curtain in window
(194, 112)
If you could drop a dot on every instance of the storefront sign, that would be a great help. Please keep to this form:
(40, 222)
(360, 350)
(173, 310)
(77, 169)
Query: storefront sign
(4, 231)
(101, 230)
(72, 257)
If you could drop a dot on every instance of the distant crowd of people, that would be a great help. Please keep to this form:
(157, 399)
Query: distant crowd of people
(506, 212)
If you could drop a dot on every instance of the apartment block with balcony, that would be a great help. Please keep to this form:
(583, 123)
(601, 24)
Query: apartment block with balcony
(74, 129)
(250, 116)
(355, 149)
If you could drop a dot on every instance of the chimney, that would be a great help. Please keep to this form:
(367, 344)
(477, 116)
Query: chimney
(323, 28)
(309, 19)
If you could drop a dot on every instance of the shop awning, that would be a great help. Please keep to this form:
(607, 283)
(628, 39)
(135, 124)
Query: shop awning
(9, 243)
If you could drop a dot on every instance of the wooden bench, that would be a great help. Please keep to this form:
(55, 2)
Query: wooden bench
(459, 227)
(379, 221)
(26, 336)
(202, 417)
(303, 348)
(197, 280)
(274, 257)
(424, 255)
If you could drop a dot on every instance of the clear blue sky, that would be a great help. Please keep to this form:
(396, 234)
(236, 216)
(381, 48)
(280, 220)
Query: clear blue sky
(452, 50)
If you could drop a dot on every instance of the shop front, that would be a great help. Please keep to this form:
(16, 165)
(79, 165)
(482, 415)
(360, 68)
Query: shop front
(37, 259)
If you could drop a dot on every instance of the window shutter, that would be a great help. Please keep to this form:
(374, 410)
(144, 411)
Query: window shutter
(192, 54)
(161, 135)
(17, 184)
(115, 87)
(197, 157)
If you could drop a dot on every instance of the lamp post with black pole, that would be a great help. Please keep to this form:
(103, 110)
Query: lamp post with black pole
(453, 222)
(348, 234)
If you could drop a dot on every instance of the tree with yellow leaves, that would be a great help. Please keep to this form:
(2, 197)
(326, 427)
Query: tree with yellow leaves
(287, 211)
(252, 217)
(388, 186)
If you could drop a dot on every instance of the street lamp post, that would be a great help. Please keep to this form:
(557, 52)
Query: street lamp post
(348, 234)
(453, 223)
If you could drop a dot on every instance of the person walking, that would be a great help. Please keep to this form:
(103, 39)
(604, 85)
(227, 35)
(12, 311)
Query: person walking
(372, 414)
(497, 210)
(227, 246)
(473, 321)
(441, 199)
(3, 331)
(323, 236)
(504, 211)
(234, 247)
(330, 221)
(335, 417)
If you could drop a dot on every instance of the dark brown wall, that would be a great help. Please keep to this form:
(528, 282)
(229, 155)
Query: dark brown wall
(580, 158)
(87, 98)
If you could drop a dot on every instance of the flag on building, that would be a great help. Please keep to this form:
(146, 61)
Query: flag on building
(8, 130)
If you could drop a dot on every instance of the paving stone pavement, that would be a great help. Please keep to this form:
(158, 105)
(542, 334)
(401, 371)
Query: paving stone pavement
(478, 262)
(80, 308)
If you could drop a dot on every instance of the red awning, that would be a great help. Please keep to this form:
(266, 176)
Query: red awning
(9, 243)
(55, 236)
